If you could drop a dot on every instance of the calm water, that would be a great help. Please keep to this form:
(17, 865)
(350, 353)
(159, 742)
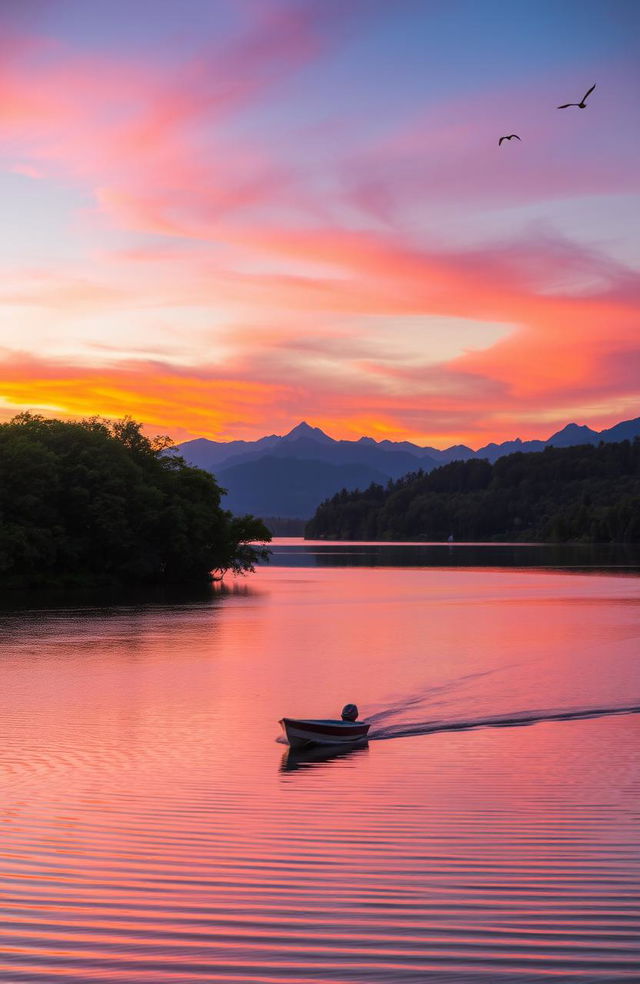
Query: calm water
(154, 830)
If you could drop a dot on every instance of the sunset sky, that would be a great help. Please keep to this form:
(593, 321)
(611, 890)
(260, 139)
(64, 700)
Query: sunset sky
(225, 216)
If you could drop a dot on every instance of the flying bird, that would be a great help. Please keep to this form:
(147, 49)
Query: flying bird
(510, 136)
(582, 104)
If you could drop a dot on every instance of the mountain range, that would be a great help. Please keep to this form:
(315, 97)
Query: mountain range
(289, 476)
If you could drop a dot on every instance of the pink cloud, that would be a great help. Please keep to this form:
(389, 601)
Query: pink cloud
(449, 152)
(27, 170)
(145, 137)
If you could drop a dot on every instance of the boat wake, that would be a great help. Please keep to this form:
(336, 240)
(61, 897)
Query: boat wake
(516, 719)
(435, 695)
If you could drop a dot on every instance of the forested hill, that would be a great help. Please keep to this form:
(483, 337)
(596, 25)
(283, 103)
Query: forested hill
(559, 494)
(93, 502)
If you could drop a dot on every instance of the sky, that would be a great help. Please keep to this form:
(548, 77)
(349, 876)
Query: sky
(225, 216)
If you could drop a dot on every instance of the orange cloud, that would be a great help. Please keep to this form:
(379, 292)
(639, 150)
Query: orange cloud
(165, 400)
(562, 355)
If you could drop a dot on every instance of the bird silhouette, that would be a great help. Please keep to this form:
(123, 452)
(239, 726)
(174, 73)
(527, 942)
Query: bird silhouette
(510, 136)
(582, 104)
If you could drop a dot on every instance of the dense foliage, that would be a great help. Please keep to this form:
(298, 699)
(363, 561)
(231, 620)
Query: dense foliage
(95, 502)
(559, 494)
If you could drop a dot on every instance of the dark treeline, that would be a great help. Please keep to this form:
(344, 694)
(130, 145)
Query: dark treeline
(94, 503)
(560, 494)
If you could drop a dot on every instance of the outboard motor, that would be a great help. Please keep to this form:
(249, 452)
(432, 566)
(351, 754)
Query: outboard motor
(349, 712)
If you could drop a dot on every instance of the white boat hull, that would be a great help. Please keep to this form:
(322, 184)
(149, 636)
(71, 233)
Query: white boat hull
(304, 734)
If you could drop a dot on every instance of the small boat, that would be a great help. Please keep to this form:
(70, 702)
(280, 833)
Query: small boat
(301, 733)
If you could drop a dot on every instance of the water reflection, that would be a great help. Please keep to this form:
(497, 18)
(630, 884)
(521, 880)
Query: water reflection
(107, 600)
(150, 832)
(295, 552)
(294, 759)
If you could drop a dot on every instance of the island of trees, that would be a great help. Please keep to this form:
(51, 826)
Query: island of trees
(95, 502)
(585, 493)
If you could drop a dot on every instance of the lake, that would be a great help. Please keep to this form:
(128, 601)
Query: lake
(154, 829)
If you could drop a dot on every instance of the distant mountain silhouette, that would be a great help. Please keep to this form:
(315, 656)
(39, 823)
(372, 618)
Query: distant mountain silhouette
(203, 453)
(494, 451)
(283, 476)
(307, 443)
(280, 486)
(625, 431)
(304, 431)
(573, 434)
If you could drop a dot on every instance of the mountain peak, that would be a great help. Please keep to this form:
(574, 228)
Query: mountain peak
(306, 431)
(573, 434)
(575, 428)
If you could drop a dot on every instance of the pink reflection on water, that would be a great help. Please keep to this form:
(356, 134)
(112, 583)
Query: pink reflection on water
(151, 830)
